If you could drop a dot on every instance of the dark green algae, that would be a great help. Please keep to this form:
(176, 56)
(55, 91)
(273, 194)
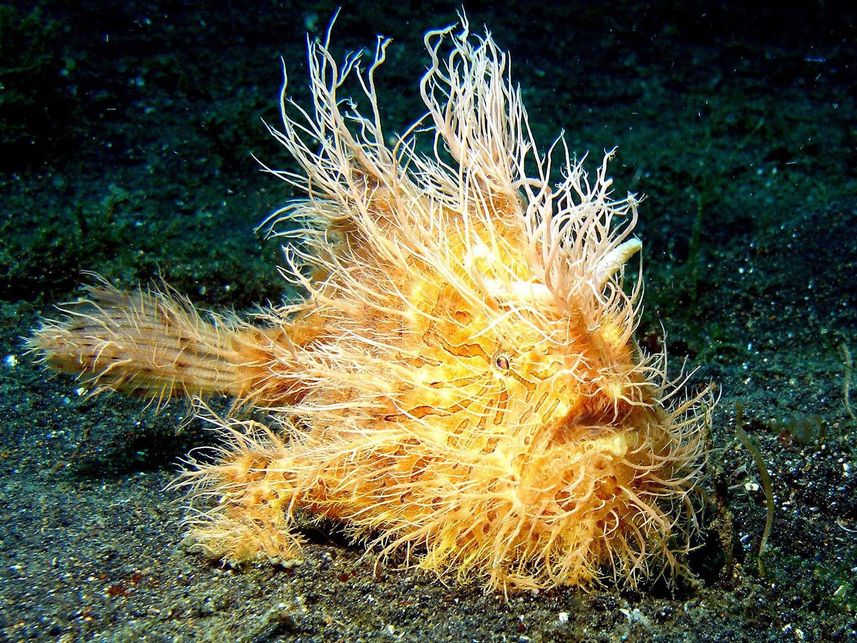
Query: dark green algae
(126, 136)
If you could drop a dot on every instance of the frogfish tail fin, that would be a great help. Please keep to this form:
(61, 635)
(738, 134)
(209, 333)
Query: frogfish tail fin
(154, 343)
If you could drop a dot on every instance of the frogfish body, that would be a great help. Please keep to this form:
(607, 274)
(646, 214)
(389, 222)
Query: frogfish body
(460, 384)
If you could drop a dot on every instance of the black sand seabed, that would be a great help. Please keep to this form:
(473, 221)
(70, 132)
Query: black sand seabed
(126, 132)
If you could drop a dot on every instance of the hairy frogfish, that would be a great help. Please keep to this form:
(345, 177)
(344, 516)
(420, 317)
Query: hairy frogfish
(459, 387)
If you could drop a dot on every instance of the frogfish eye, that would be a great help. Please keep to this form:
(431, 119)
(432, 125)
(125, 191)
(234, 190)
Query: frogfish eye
(502, 362)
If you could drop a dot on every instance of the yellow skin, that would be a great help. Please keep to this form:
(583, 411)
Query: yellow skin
(460, 384)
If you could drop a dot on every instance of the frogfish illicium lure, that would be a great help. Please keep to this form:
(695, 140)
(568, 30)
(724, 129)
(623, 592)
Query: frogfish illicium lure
(460, 385)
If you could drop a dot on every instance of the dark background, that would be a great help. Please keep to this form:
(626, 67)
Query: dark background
(126, 133)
